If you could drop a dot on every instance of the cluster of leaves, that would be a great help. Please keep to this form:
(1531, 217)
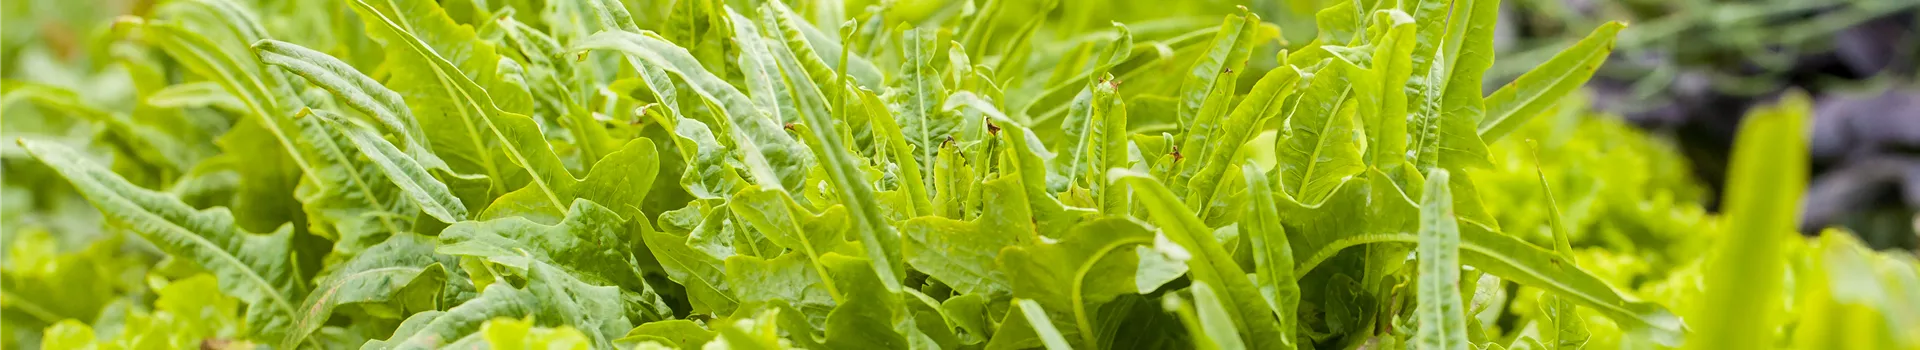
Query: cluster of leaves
(515, 174)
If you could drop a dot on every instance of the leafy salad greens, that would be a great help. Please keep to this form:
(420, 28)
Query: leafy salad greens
(757, 174)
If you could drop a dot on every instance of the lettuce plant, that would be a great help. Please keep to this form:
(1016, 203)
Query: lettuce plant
(759, 175)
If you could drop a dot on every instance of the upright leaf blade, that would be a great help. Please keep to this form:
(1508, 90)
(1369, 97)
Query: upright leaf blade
(919, 94)
(473, 107)
(1385, 109)
(355, 89)
(1210, 263)
(1228, 49)
(1744, 273)
(772, 157)
(1320, 151)
(1442, 317)
(1263, 103)
(432, 195)
(1272, 254)
(877, 237)
(1037, 317)
(1517, 102)
(899, 151)
(1213, 318)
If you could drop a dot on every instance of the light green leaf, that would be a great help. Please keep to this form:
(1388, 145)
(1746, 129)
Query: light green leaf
(48, 284)
(1087, 268)
(1320, 151)
(397, 277)
(1223, 148)
(431, 195)
(1026, 160)
(917, 94)
(1085, 133)
(1196, 134)
(589, 242)
(554, 85)
(599, 311)
(1518, 101)
(272, 139)
(1383, 98)
(756, 331)
(773, 158)
(1110, 115)
(1745, 271)
(899, 151)
(708, 175)
(620, 181)
(550, 186)
(353, 88)
(69, 334)
(1468, 53)
(866, 319)
(963, 253)
(437, 55)
(197, 94)
(343, 197)
(1037, 317)
(1159, 264)
(1272, 254)
(1442, 317)
(1211, 263)
(793, 278)
(432, 329)
(702, 273)
(1339, 24)
(790, 225)
(1229, 49)
(255, 268)
(766, 85)
(682, 334)
(876, 235)
(1569, 329)
(1214, 318)
(1454, 46)
(506, 333)
(1501, 255)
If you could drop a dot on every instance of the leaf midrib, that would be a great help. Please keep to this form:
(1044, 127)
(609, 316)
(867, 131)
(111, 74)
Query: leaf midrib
(272, 292)
(354, 173)
(448, 81)
(1554, 81)
(1313, 158)
(921, 65)
(1327, 251)
(232, 81)
(1220, 158)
